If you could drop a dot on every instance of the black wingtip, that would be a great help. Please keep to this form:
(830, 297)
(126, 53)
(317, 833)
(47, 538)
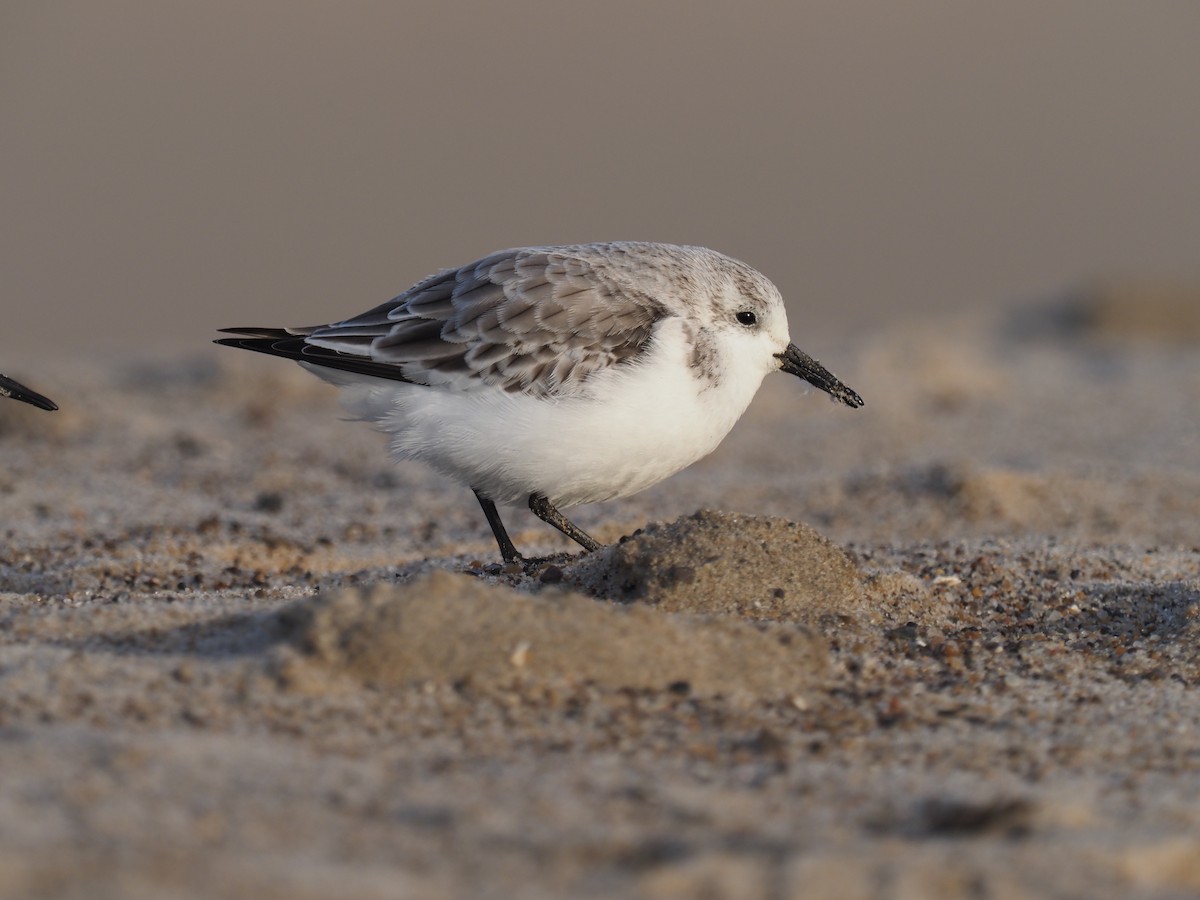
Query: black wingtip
(272, 341)
(292, 345)
(273, 333)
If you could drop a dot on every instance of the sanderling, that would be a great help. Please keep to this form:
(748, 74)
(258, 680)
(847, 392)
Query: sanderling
(560, 375)
(18, 391)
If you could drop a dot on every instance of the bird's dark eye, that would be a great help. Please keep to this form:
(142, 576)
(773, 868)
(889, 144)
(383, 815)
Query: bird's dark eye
(746, 317)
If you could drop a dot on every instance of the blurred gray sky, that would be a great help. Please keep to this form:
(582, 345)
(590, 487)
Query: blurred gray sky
(169, 168)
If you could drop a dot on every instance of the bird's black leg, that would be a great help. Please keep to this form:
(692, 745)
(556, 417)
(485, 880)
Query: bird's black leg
(507, 549)
(543, 509)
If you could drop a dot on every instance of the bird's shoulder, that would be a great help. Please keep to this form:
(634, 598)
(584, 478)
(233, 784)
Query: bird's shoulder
(537, 320)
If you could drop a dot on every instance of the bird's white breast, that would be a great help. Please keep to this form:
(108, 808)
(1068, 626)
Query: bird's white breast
(635, 425)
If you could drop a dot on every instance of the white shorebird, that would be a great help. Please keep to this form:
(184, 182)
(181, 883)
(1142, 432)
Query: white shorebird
(560, 375)
(18, 391)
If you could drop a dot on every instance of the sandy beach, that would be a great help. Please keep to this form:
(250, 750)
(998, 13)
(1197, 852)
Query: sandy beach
(945, 645)
(941, 646)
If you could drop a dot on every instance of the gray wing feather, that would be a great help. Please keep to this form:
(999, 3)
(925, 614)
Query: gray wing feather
(537, 320)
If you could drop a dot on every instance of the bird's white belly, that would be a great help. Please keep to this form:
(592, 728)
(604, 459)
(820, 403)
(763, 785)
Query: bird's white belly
(636, 426)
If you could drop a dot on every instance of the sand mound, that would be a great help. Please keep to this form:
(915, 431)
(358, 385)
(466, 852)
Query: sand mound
(455, 629)
(1125, 310)
(726, 564)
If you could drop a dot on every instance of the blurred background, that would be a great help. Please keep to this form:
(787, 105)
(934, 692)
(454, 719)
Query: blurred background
(168, 169)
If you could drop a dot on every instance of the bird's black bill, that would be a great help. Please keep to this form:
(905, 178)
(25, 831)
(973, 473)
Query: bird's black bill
(18, 391)
(795, 361)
